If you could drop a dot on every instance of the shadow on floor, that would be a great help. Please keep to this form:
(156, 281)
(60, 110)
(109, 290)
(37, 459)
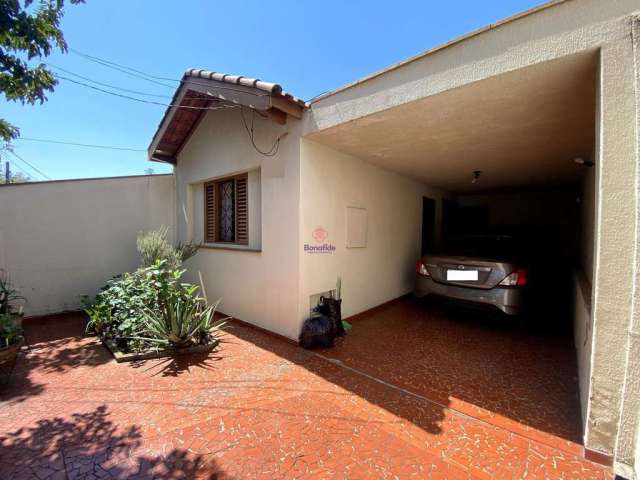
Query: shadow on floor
(459, 359)
(17, 387)
(522, 370)
(179, 365)
(426, 415)
(90, 445)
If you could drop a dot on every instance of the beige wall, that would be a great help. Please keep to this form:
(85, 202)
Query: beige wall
(60, 240)
(615, 256)
(583, 290)
(587, 222)
(627, 445)
(259, 285)
(384, 269)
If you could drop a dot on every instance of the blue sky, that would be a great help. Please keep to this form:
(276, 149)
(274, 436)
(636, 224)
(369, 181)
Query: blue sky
(308, 47)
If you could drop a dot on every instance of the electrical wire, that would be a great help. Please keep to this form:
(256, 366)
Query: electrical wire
(109, 62)
(141, 100)
(87, 145)
(120, 68)
(274, 148)
(34, 168)
(152, 78)
(137, 92)
(155, 79)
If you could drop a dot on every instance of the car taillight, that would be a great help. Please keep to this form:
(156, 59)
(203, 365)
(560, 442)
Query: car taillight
(515, 279)
(421, 269)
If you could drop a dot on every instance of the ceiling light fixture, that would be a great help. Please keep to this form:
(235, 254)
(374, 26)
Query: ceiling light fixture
(583, 162)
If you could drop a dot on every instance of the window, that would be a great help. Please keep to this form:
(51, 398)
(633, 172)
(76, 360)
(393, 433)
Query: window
(226, 211)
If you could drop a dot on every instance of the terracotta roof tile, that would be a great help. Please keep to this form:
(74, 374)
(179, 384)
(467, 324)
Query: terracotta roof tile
(270, 87)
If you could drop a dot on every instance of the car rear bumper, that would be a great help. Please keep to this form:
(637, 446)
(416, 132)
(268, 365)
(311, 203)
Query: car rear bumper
(509, 300)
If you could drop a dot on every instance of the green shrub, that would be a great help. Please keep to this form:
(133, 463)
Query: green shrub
(99, 315)
(123, 309)
(9, 295)
(153, 247)
(10, 332)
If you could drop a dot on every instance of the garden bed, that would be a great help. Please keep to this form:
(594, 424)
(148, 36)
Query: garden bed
(121, 356)
(151, 312)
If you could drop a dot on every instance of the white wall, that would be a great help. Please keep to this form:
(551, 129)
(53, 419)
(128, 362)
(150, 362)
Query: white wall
(59, 240)
(259, 284)
(332, 181)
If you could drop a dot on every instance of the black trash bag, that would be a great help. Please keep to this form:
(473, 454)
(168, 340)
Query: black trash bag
(332, 308)
(317, 332)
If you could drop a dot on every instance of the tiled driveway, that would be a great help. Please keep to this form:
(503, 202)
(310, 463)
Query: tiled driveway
(413, 394)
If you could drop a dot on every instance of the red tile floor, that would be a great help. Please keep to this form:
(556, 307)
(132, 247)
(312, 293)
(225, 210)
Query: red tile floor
(411, 392)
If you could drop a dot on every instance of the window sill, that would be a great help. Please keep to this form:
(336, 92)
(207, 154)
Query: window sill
(230, 246)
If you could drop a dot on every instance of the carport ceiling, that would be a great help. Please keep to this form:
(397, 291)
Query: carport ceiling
(521, 129)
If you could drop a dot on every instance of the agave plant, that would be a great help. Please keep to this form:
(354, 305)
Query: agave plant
(181, 322)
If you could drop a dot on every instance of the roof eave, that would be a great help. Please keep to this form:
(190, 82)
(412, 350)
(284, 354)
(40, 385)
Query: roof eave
(276, 103)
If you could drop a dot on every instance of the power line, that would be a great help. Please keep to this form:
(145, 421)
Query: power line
(34, 168)
(120, 68)
(137, 92)
(87, 145)
(103, 61)
(141, 100)
(152, 78)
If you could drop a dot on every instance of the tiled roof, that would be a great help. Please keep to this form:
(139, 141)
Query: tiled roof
(270, 87)
(177, 122)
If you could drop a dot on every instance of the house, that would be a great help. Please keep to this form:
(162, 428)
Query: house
(288, 195)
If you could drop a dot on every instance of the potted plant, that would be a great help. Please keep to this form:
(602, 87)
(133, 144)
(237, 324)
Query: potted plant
(10, 339)
(10, 321)
(9, 295)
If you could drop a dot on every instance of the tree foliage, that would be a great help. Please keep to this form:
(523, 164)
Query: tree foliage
(29, 29)
(17, 177)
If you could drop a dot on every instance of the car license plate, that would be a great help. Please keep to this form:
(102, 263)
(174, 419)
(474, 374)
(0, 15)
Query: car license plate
(462, 275)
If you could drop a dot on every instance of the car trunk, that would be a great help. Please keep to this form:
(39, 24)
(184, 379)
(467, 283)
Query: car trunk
(451, 269)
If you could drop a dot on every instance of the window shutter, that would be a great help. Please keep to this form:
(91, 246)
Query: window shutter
(209, 213)
(242, 211)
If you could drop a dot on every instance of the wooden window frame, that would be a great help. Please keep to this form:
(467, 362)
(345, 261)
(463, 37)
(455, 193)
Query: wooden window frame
(240, 210)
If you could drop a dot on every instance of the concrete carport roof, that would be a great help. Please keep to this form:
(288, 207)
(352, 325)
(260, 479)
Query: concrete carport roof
(520, 129)
(520, 99)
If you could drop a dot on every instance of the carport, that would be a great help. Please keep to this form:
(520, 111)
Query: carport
(545, 106)
(530, 134)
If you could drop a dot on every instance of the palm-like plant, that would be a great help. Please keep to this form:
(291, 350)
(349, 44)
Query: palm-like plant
(181, 322)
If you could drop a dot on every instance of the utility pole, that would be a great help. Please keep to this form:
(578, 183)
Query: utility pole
(7, 173)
